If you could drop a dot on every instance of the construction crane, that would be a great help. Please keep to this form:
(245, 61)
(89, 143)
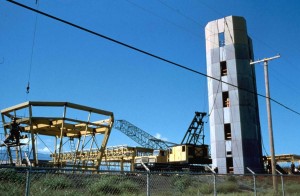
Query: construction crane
(195, 133)
(192, 154)
(141, 137)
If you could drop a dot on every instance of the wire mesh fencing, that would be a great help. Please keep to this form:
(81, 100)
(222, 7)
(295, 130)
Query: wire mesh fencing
(48, 181)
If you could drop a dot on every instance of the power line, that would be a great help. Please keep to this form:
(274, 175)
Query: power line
(148, 53)
(163, 18)
(177, 11)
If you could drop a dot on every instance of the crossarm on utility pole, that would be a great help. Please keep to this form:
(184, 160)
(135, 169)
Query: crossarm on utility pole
(265, 59)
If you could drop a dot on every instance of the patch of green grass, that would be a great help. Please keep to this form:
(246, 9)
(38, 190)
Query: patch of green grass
(11, 175)
(53, 181)
(231, 179)
(9, 188)
(292, 189)
(181, 183)
(228, 187)
(206, 188)
(113, 185)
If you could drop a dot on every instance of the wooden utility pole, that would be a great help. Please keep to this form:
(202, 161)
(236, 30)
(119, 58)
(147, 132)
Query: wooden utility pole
(271, 139)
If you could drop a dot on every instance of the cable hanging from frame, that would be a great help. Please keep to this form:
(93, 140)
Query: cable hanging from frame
(32, 48)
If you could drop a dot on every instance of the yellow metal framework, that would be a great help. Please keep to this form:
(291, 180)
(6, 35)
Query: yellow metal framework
(63, 128)
(124, 154)
(113, 155)
(285, 158)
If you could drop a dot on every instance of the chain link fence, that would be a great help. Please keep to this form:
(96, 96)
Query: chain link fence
(45, 181)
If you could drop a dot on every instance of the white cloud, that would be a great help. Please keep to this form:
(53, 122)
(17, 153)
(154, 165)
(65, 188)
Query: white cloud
(158, 136)
(44, 150)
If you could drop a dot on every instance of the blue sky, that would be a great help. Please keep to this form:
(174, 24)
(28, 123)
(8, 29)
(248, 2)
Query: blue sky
(72, 65)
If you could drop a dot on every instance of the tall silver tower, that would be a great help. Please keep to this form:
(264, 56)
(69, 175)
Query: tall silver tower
(234, 122)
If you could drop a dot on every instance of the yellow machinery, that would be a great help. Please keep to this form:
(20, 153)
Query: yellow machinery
(191, 154)
(180, 157)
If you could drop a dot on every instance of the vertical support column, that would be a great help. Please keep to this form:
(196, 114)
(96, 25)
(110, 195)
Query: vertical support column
(104, 142)
(33, 143)
(122, 165)
(55, 151)
(17, 155)
(83, 142)
(91, 146)
(61, 133)
(132, 164)
(76, 151)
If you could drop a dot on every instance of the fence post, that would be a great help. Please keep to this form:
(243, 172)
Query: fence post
(27, 181)
(215, 180)
(282, 184)
(148, 178)
(148, 183)
(27, 176)
(254, 182)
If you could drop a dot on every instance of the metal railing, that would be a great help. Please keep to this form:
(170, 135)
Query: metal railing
(50, 181)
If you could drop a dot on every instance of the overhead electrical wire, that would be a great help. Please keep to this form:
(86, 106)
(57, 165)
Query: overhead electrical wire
(173, 23)
(148, 53)
(163, 18)
(178, 12)
(194, 21)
